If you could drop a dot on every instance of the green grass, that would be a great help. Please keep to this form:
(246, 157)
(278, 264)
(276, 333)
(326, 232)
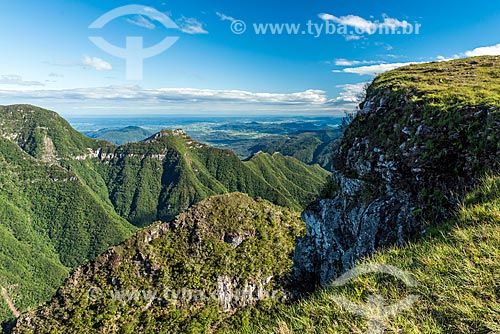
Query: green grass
(447, 86)
(121, 136)
(440, 118)
(57, 212)
(457, 267)
(456, 263)
(310, 147)
(30, 126)
(290, 177)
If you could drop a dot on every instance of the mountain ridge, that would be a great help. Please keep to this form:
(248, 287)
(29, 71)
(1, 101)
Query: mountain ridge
(66, 198)
(374, 212)
(423, 138)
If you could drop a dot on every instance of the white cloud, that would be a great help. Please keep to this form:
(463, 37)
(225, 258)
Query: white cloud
(350, 94)
(224, 17)
(141, 21)
(352, 37)
(162, 17)
(350, 21)
(166, 95)
(442, 58)
(346, 62)
(17, 80)
(96, 63)
(378, 67)
(191, 26)
(366, 26)
(375, 69)
(493, 50)
(392, 23)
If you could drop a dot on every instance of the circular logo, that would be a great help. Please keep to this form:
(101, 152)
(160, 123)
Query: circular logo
(238, 27)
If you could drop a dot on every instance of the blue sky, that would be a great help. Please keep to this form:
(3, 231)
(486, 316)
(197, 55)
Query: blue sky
(48, 59)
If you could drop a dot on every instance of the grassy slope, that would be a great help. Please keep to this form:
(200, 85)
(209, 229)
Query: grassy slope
(457, 100)
(447, 86)
(31, 125)
(191, 253)
(310, 147)
(59, 206)
(456, 266)
(142, 188)
(457, 262)
(292, 178)
(57, 212)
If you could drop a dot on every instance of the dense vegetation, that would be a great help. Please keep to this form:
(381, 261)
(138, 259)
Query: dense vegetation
(49, 222)
(225, 244)
(431, 130)
(310, 147)
(61, 203)
(292, 178)
(166, 174)
(129, 134)
(42, 133)
(456, 266)
(306, 140)
(438, 123)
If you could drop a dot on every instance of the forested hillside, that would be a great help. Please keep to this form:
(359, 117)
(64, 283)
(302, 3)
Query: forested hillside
(66, 198)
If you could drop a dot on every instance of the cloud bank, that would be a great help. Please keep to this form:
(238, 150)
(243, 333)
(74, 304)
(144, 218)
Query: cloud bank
(96, 63)
(189, 95)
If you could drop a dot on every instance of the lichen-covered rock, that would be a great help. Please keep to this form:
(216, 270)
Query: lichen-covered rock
(347, 227)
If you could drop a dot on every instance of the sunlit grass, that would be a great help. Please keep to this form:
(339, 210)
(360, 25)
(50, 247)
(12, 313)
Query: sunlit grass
(457, 267)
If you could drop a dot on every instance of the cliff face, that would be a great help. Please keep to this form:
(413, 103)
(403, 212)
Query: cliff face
(66, 198)
(345, 228)
(422, 138)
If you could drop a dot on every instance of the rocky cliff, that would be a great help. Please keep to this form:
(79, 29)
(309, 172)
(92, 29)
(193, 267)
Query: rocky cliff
(422, 138)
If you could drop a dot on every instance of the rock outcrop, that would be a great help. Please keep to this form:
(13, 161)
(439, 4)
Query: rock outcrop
(347, 227)
(186, 276)
(414, 149)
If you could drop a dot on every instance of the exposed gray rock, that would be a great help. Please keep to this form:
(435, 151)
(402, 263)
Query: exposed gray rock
(233, 294)
(380, 172)
(399, 163)
(346, 228)
(367, 108)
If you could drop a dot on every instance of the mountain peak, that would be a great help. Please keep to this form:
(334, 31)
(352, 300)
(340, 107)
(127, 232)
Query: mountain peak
(164, 133)
(41, 133)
